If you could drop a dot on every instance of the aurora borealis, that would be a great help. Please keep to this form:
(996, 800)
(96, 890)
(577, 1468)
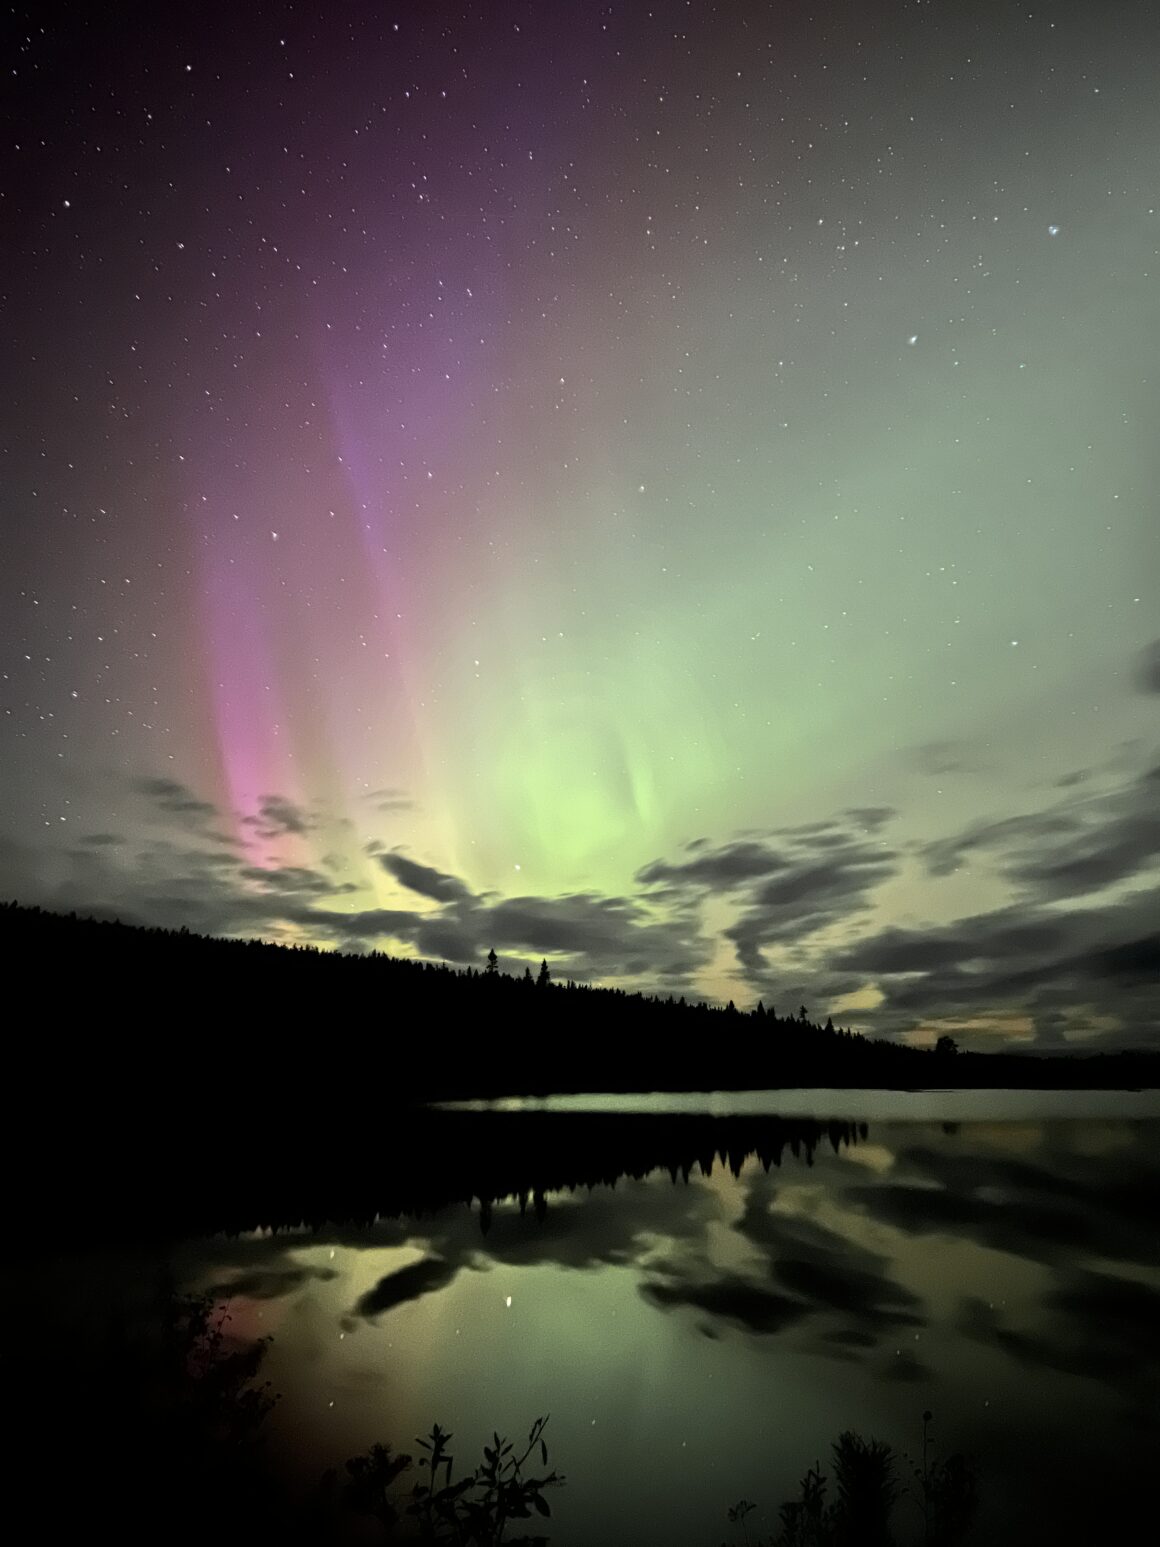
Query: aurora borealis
(669, 489)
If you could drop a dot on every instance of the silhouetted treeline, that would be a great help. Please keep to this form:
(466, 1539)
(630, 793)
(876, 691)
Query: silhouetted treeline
(419, 1030)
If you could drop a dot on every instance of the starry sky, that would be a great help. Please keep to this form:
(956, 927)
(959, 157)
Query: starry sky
(670, 489)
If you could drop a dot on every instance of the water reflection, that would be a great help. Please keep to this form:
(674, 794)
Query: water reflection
(869, 1105)
(702, 1303)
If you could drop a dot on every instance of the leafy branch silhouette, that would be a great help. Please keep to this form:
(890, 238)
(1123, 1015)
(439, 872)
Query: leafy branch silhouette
(474, 1511)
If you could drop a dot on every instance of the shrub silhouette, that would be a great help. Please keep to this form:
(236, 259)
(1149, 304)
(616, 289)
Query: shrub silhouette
(948, 1493)
(474, 1511)
(867, 1489)
(372, 1476)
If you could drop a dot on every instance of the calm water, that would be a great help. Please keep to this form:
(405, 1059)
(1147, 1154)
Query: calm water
(703, 1339)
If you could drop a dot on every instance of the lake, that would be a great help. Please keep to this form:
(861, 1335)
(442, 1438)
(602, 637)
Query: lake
(703, 1292)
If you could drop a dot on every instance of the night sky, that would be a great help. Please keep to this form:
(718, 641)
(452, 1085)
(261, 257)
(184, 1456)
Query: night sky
(669, 489)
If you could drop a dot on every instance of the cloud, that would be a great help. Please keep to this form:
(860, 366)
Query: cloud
(623, 935)
(368, 924)
(1087, 841)
(406, 1284)
(804, 1274)
(826, 1266)
(174, 798)
(388, 800)
(944, 856)
(1148, 668)
(904, 1367)
(424, 879)
(589, 936)
(199, 881)
(1050, 962)
(734, 1299)
(1058, 952)
(196, 879)
(277, 817)
(722, 869)
(597, 935)
(1044, 1211)
(813, 892)
(259, 1283)
(446, 940)
(1127, 960)
(294, 881)
(789, 883)
(1095, 1325)
(938, 759)
(991, 939)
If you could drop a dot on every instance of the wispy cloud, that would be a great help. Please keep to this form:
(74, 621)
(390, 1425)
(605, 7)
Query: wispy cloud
(789, 883)
(1087, 841)
(277, 817)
